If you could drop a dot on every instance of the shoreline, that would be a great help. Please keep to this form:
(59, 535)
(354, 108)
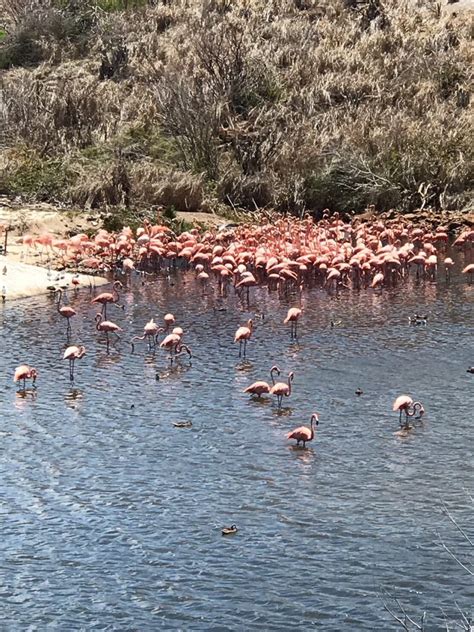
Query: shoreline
(23, 280)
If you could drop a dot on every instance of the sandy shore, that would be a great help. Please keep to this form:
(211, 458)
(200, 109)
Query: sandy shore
(21, 280)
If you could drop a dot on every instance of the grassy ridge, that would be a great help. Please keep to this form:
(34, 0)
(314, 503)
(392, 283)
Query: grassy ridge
(292, 104)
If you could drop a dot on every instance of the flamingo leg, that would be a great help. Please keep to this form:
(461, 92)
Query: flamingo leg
(71, 370)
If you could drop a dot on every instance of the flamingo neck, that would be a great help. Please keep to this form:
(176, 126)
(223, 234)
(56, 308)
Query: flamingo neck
(289, 386)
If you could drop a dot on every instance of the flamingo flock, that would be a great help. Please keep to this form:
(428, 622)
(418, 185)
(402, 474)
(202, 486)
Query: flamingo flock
(287, 256)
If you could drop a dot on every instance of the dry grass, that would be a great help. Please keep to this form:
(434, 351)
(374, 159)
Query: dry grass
(291, 104)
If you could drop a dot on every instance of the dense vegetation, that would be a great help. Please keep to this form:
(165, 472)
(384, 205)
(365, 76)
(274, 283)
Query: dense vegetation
(288, 104)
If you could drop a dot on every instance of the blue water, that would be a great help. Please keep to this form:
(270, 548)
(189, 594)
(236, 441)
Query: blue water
(111, 517)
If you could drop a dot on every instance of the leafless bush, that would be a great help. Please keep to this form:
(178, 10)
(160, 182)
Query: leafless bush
(459, 545)
(54, 112)
(190, 113)
(13, 12)
(297, 105)
(108, 186)
(182, 191)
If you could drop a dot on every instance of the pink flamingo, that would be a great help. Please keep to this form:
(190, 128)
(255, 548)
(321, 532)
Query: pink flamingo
(108, 297)
(72, 354)
(169, 320)
(66, 311)
(303, 433)
(25, 372)
(173, 344)
(150, 331)
(247, 281)
(243, 335)
(469, 270)
(377, 281)
(107, 326)
(281, 389)
(448, 264)
(260, 387)
(404, 403)
(292, 317)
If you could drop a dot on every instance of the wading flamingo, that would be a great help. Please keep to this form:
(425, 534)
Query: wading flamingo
(292, 317)
(65, 310)
(281, 389)
(303, 433)
(107, 326)
(108, 297)
(25, 372)
(72, 354)
(150, 331)
(469, 270)
(405, 404)
(169, 320)
(243, 335)
(173, 344)
(259, 388)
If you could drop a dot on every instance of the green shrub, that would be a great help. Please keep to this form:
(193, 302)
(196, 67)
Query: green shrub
(35, 178)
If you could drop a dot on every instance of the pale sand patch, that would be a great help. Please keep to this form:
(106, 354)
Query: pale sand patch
(21, 280)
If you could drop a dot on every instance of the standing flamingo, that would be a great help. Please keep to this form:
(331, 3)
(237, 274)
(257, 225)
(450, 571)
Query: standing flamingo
(25, 372)
(173, 344)
(107, 326)
(260, 387)
(404, 403)
(469, 270)
(150, 331)
(281, 389)
(169, 320)
(108, 297)
(66, 311)
(292, 317)
(303, 433)
(243, 335)
(72, 354)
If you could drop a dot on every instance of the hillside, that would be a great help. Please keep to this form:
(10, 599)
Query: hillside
(295, 105)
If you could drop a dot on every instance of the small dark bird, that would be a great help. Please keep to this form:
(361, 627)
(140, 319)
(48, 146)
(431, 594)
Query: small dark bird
(229, 530)
(470, 369)
(183, 424)
(359, 391)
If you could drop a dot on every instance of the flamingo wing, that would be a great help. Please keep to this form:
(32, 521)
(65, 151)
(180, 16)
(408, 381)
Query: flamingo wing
(21, 372)
(402, 401)
(300, 434)
(258, 388)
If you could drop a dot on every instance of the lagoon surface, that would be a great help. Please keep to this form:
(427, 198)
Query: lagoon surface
(111, 516)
